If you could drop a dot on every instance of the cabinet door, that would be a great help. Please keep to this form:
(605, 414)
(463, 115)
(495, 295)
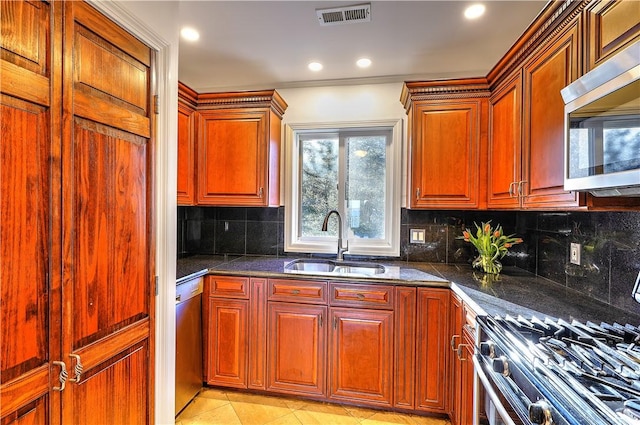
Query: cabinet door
(543, 141)
(361, 356)
(233, 157)
(445, 154)
(455, 389)
(107, 238)
(505, 141)
(467, 377)
(186, 155)
(433, 376)
(27, 199)
(296, 348)
(226, 362)
(610, 27)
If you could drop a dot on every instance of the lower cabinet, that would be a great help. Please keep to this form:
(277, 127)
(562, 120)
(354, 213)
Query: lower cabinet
(370, 345)
(433, 375)
(296, 348)
(361, 356)
(226, 314)
(462, 347)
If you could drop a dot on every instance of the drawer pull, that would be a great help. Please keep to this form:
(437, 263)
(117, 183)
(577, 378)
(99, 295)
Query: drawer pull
(295, 291)
(360, 296)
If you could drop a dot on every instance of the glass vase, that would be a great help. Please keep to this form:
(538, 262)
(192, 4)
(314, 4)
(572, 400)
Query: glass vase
(488, 264)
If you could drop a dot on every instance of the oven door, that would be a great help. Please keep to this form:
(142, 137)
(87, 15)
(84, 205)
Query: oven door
(493, 406)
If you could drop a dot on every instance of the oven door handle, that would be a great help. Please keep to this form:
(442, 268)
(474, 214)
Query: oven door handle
(491, 393)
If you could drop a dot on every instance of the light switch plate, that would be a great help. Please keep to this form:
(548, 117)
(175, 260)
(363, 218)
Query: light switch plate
(416, 235)
(574, 256)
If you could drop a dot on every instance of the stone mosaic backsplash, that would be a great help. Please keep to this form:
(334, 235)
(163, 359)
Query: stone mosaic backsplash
(610, 242)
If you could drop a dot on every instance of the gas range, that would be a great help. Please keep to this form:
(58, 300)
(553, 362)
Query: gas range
(550, 371)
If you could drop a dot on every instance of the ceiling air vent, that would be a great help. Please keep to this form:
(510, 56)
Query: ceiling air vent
(344, 15)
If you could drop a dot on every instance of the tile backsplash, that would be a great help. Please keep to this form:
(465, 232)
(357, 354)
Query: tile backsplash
(610, 241)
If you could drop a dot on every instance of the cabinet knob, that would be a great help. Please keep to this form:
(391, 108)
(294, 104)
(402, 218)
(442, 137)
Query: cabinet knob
(417, 194)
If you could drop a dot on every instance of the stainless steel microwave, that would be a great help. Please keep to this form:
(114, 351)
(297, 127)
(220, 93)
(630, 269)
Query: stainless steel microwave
(602, 128)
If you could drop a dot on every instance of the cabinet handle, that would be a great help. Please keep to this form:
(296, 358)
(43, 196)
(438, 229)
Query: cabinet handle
(511, 194)
(360, 296)
(295, 291)
(321, 321)
(520, 185)
(335, 323)
(78, 368)
(453, 342)
(417, 194)
(459, 351)
(62, 377)
(260, 192)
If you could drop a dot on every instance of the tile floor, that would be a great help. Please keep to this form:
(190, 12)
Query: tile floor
(215, 406)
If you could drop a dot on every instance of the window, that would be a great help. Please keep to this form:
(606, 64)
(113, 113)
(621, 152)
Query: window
(351, 168)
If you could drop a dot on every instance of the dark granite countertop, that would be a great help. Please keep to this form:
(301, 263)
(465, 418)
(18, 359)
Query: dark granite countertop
(515, 292)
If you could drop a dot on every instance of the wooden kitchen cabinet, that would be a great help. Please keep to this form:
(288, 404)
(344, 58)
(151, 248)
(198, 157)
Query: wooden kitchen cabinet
(610, 26)
(526, 129)
(76, 201)
(296, 350)
(361, 344)
(462, 345)
(226, 314)
(432, 345)
(238, 144)
(447, 145)
(186, 175)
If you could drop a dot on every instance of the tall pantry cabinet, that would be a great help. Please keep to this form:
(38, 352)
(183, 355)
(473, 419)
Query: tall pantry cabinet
(75, 220)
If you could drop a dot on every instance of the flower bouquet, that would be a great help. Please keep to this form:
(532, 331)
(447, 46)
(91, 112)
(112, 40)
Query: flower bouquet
(491, 244)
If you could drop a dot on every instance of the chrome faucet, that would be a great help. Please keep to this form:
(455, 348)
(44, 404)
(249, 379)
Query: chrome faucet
(341, 249)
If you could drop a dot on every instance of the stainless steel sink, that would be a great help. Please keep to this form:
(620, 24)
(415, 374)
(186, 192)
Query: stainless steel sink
(331, 267)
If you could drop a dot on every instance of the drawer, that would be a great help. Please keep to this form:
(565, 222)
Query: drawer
(228, 287)
(299, 291)
(362, 296)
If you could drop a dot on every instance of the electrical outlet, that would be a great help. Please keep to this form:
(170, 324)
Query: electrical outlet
(574, 256)
(416, 236)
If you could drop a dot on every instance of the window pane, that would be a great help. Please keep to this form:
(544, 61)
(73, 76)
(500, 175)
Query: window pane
(318, 181)
(366, 185)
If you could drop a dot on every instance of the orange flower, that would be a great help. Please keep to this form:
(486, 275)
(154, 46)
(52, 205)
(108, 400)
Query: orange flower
(487, 228)
(466, 235)
(496, 234)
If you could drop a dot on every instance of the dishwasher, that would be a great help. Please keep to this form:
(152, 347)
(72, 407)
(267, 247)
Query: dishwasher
(189, 376)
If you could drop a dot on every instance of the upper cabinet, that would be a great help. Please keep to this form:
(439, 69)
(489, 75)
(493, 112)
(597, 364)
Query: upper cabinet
(526, 129)
(610, 27)
(511, 155)
(229, 148)
(187, 103)
(447, 147)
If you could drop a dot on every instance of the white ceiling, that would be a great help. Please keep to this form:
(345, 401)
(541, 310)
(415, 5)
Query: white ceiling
(251, 45)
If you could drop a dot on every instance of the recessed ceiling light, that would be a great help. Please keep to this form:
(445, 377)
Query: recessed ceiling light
(474, 11)
(363, 63)
(315, 66)
(190, 34)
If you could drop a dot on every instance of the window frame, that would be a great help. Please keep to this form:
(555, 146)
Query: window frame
(390, 245)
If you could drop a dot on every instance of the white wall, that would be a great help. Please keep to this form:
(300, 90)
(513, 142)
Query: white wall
(155, 23)
(334, 104)
(343, 103)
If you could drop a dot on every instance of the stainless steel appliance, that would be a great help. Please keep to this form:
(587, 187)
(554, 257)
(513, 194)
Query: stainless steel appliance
(189, 376)
(602, 127)
(549, 371)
